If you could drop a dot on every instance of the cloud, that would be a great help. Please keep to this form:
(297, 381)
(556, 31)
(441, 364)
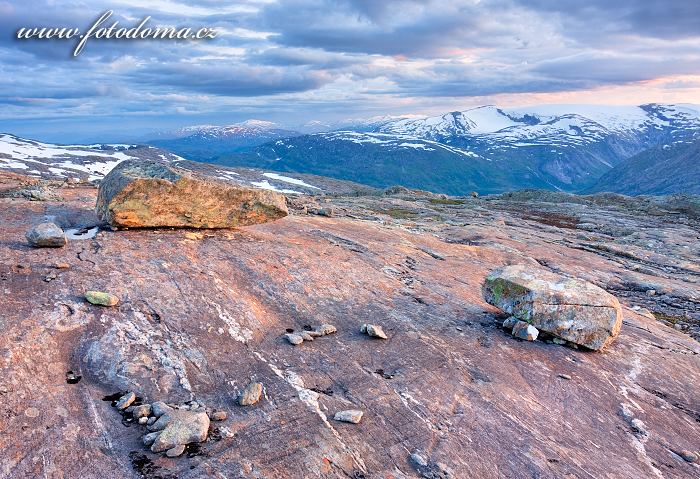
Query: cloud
(299, 58)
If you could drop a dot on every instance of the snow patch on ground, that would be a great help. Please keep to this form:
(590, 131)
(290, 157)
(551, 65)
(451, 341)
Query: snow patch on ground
(287, 179)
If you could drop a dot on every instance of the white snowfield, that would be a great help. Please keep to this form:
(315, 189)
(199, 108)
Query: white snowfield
(545, 124)
(64, 161)
(293, 181)
(44, 160)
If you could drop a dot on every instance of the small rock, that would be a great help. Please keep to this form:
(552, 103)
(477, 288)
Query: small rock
(510, 322)
(150, 438)
(306, 336)
(295, 339)
(125, 401)
(525, 331)
(418, 459)
(175, 451)
(373, 331)
(689, 456)
(159, 408)
(143, 410)
(50, 277)
(565, 376)
(61, 266)
(559, 341)
(31, 412)
(46, 235)
(251, 394)
(180, 428)
(101, 299)
(143, 420)
(326, 329)
(474, 194)
(218, 416)
(351, 415)
(194, 236)
(151, 420)
(651, 292)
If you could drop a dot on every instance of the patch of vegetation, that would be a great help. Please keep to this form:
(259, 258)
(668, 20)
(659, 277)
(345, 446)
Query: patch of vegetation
(445, 201)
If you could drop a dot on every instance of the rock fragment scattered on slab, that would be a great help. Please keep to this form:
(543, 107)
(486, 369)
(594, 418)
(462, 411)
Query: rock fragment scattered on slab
(570, 309)
(322, 330)
(46, 235)
(125, 401)
(100, 298)
(218, 415)
(373, 331)
(251, 394)
(523, 330)
(353, 416)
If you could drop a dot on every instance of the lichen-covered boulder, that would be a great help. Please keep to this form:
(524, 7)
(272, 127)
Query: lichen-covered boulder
(149, 194)
(570, 309)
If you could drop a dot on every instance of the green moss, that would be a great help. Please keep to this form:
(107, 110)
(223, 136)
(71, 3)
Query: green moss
(445, 201)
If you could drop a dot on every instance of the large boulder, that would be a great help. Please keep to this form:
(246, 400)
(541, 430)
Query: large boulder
(149, 194)
(571, 309)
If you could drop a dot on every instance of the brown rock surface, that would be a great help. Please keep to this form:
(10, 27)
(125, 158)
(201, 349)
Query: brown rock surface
(151, 194)
(197, 317)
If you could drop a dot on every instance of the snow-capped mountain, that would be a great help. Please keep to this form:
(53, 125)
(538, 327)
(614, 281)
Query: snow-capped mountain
(205, 142)
(558, 146)
(550, 125)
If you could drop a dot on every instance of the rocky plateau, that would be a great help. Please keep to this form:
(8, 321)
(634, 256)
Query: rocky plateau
(445, 391)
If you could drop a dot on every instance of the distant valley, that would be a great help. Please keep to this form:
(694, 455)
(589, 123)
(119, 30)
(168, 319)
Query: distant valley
(487, 149)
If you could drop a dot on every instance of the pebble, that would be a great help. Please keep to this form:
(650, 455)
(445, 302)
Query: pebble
(510, 322)
(418, 459)
(689, 456)
(295, 339)
(651, 292)
(326, 329)
(251, 394)
(353, 416)
(143, 410)
(159, 408)
(525, 331)
(46, 235)
(151, 420)
(306, 336)
(218, 416)
(61, 266)
(143, 420)
(125, 401)
(175, 451)
(150, 438)
(373, 331)
(101, 299)
(31, 412)
(565, 376)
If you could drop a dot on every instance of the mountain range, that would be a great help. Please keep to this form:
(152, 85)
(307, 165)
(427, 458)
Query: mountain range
(488, 149)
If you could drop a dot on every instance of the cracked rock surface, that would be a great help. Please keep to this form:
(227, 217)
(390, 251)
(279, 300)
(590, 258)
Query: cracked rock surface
(200, 316)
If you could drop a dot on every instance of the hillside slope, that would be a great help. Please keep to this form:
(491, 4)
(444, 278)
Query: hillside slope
(662, 170)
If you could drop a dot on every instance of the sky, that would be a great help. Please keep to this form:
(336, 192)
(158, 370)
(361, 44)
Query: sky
(299, 61)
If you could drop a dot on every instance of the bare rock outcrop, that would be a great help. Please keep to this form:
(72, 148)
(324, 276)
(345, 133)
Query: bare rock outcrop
(570, 309)
(149, 194)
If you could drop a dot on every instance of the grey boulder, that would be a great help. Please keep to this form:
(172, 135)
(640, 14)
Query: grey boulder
(571, 309)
